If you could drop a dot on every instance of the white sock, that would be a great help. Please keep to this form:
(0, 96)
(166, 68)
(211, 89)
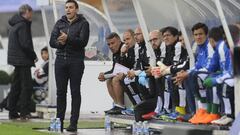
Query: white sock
(120, 106)
(202, 105)
(215, 96)
(227, 106)
(182, 97)
(166, 99)
(159, 105)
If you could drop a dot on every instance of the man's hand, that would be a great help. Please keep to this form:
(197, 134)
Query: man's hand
(101, 77)
(124, 49)
(209, 82)
(156, 72)
(180, 77)
(62, 38)
(131, 74)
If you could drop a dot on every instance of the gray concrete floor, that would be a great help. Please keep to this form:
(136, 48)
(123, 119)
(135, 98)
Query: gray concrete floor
(96, 132)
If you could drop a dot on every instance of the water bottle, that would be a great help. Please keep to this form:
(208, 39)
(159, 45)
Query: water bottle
(145, 128)
(139, 128)
(52, 124)
(107, 124)
(58, 125)
(134, 128)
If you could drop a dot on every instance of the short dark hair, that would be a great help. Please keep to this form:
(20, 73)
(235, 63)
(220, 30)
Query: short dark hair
(179, 33)
(24, 8)
(216, 34)
(200, 26)
(44, 49)
(72, 1)
(162, 29)
(112, 35)
(170, 29)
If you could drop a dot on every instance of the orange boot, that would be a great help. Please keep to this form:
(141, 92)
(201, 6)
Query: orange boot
(198, 113)
(200, 118)
(209, 118)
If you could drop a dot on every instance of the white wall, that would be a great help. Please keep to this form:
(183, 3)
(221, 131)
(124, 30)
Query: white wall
(94, 93)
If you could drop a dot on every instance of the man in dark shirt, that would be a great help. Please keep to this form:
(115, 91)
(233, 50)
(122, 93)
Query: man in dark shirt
(113, 80)
(69, 36)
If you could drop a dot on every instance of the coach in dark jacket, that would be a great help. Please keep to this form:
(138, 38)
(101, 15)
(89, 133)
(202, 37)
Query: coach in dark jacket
(22, 56)
(70, 36)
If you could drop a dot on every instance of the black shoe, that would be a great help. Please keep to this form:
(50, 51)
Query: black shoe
(116, 110)
(62, 126)
(187, 117)
(110, 110)
(1, 108)
(13, 116)
(72, 128)
(25, 117)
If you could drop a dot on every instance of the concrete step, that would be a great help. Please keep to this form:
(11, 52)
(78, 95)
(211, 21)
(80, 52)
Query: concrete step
(184, 127)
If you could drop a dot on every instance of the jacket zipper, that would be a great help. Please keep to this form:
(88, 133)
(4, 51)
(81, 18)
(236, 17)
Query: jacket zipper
(65, 53)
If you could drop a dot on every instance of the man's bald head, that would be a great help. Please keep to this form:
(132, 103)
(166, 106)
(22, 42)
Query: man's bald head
(128, 38)
(138, 35)
(155, 38)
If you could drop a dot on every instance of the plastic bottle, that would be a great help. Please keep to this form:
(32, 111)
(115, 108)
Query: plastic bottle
(139, 128)
(52, 124)
(107, 124)
(58, 125)
(145, 128)
(134, 128)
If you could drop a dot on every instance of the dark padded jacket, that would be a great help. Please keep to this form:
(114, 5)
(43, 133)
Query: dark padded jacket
(20, 45)
(78, 35)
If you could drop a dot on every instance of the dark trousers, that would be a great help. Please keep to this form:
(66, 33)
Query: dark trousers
(68, 69)
(137, 92)
(192, 89)
(226, 92)
(3, 104)
(21, 91)
(144, 107)
(174, 94)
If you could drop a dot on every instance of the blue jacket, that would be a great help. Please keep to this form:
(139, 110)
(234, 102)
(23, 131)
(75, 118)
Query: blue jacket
(221, 61)
(204, 56)
(221, 58)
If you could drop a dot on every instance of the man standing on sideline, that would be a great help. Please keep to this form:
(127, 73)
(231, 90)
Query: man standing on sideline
(69, 36)
(22, 56)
